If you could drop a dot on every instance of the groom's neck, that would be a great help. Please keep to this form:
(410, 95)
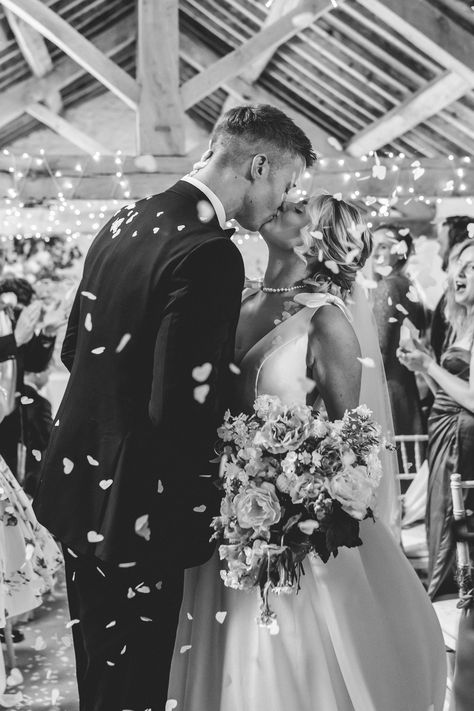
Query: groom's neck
(227, 185)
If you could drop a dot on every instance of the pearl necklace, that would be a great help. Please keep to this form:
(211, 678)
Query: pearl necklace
(281, 289)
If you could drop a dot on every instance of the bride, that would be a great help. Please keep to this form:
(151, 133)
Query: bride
(361, 634)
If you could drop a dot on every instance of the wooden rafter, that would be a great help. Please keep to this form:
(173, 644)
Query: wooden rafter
(84, 52)
(160, 118)
(67, 130)
(228, 67)
(438, 94)
(277, 9)
(200, 56)
(15, 100)
(34, 50)
(430, 30)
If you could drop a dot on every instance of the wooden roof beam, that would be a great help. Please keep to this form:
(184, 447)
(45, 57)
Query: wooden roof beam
(429, 100)
(268, 39)
(198, 55)
(160, 117)
(80, 49)
(34, 50)
(430, 30)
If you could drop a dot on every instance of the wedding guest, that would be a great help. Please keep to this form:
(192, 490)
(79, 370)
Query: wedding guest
(451, 422)
(33, 355)
(395, 299)
(454, 231)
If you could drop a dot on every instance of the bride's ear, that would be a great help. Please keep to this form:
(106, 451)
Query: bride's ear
(260, 167)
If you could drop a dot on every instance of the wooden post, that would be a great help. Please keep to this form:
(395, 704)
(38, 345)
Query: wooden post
(160, 114)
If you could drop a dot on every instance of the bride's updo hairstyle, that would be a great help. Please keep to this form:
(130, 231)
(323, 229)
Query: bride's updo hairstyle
(336, 241)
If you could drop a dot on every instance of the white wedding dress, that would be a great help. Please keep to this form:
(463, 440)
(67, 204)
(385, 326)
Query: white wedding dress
(361, 635)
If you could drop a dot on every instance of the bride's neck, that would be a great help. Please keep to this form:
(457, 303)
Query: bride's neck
(283, 270)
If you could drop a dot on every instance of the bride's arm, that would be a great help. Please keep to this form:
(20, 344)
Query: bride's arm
(334, 349)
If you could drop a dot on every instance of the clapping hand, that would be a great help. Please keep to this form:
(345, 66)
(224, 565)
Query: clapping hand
(417, 359)
(53, 320)
(27, 322)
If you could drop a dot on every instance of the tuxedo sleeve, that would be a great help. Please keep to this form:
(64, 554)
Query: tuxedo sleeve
(193, 351)
(68, 349)
(8, 348)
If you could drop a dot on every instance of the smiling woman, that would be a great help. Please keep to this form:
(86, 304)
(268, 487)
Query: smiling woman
(451, 423)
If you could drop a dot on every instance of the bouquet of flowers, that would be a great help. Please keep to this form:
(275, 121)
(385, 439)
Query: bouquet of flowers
(293, 484)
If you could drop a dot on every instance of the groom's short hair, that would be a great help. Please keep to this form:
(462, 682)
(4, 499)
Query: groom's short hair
(260, 126)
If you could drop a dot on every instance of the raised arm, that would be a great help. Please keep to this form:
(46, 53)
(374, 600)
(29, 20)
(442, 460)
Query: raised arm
(334, 349)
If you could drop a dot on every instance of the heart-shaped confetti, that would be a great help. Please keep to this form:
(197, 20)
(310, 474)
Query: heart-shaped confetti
(234, 369)
(171, 704)
(94, 537)
(201, 393)
(156, 230)
(220, 617)
(14, 678)
(418, 172)
(88, 322)
(88, 295)
(199, 509)
(71, 623)
(143, 589)
(185, 648)
(337, 196)
(106, 483)
(205, 211)
(367, 362)
(26, 400)
(180, 228)
(160, 486)
(68, 466)
(159, 585)
(142, 527)
(379, 171)
(131, 593)
(93, 462)
(123, 342)
(202, 372)
(111, 624)
(189, 616)
(402, 309)
(98, 351)
(159, 214)
(36, 454)
(134, 234)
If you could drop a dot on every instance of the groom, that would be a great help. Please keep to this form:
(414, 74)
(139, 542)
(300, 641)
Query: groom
(126, 481)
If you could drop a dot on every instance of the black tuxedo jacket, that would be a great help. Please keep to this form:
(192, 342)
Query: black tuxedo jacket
(126, 474)
(37, 423)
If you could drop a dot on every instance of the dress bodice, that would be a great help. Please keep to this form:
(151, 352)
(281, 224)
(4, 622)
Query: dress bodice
(457, 361)
(278, 362)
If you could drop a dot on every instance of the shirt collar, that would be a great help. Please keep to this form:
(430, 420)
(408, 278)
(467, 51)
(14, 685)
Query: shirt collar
(211, 196)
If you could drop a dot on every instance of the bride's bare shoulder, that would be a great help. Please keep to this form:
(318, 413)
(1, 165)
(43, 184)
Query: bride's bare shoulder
(332, 331)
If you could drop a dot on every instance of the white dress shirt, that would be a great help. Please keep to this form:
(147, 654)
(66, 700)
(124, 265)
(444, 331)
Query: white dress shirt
(211, 196)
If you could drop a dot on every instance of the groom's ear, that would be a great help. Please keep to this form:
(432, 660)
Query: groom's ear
(260, 167)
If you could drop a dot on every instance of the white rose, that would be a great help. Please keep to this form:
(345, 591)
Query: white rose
(353, 488)
(257, 507)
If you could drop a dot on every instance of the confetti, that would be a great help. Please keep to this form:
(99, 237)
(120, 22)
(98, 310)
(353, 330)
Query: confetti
(88, 322)
(202, 372)
(127, 565)
(111, 624)
(201, 393)
(189, 616)
(308, 527)
(36, 454)
(68, 466)
(131, 593)
(93, 462)
(402, 309)
(146, 619)
(98, 351)
(143, 589)
(180, 228)
(39, 644)
(26, 400)
(159, 214)
(220, 617)
(234, 369)
(54, 697)
(316, 234)
(142, 527)
(185, 648)
(160, 488)
(171, 704)
(159, 585)
(110, 664)
(71, 623)
(156, 230)
(412, 295)
(123, 342)
(367, 362)
(418, 172)
(332, 266)
(105, 484)
(383, 270)
(134, 234)
(379, 171)
(94, 537)
(199, 509)
(205, 211)
(337, 196)
(88, 295)
(14, 678)
(124, 649)
(392, 319)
